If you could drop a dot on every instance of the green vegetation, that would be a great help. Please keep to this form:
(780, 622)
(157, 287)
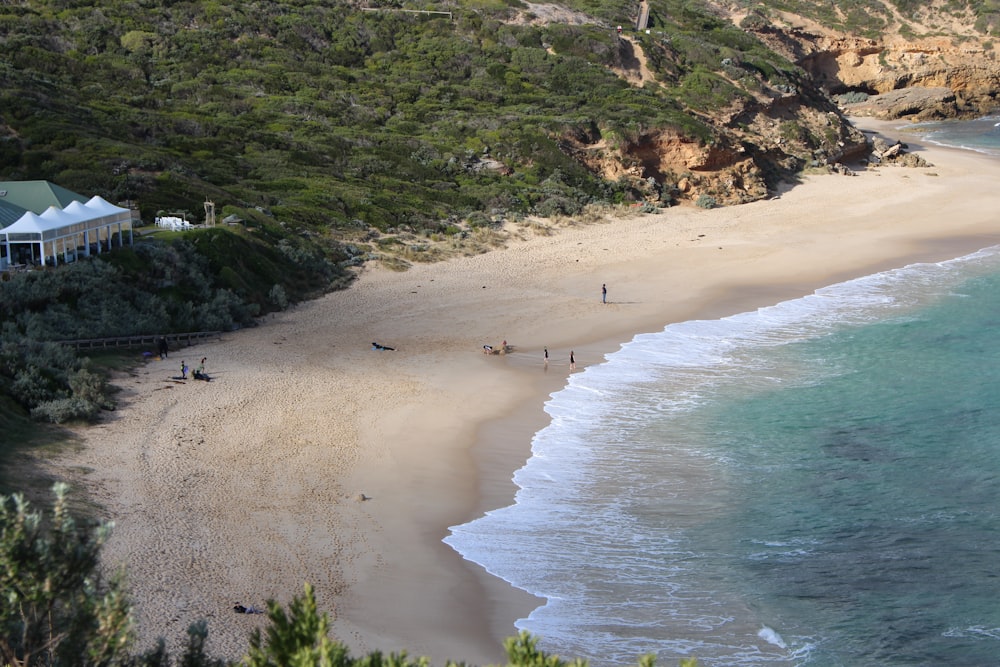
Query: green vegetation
(338, 122)
(213, 279)
(58, 611)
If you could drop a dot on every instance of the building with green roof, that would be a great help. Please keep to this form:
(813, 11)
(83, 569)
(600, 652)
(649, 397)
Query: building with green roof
(9, 213)
(37, 196)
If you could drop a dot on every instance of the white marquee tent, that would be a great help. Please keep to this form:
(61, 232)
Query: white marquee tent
(77, 230)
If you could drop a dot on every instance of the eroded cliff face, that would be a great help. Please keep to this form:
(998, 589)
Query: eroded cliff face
(759, 141)
(945, 66)
(943, 69)
(666, 167)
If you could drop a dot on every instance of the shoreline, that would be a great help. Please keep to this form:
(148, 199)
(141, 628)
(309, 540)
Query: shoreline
(241, 489)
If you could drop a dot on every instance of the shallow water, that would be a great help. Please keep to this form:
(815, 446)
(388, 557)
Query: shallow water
(981, 135)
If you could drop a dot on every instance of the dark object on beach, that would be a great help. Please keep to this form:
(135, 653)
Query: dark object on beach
(376, 346)
(240, 609)
(199, 373)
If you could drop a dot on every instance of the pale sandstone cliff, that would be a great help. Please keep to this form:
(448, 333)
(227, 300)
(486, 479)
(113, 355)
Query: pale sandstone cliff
(936, 65)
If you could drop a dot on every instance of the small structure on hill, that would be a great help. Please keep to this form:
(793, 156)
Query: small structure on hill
(209, 213)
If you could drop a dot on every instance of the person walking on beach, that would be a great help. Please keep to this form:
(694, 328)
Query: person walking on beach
(572, 360)
(604, 293)
(164, 348)
(184, 371)
(546, 355)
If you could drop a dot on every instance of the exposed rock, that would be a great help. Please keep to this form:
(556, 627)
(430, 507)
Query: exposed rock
(664, 166)
(942, 68)
(842, 169)
(912, 103)
(895, 154)
(487, 163)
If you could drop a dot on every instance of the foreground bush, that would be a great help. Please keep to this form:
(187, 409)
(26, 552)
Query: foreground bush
(57, 612)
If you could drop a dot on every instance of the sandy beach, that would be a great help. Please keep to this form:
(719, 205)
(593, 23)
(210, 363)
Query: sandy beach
(312, 458)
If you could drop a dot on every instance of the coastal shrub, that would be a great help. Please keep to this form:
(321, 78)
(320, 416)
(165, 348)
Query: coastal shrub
(756, 19)
(57, 609)
(853, 97)
(32, 386)
(706, 201)
(278, 297)
(63, 410)
(91, 387)
(554, 206)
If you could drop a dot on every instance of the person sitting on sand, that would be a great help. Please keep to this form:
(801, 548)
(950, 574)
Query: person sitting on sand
(199, 373)
(487, 349)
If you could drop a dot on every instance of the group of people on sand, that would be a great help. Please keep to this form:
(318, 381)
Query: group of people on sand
(488, 349)
(199, 373)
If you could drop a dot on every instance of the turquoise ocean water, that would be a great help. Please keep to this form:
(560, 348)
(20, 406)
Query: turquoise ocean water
(813, 483)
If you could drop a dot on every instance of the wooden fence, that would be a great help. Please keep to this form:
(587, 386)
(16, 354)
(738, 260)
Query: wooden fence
(152, 341)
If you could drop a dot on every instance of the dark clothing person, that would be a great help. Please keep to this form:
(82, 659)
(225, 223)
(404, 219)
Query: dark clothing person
(240, 609)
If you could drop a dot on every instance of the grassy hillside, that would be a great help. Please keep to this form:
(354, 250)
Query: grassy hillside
(347, 122)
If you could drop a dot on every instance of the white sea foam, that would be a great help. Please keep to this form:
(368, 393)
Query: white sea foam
(771, 637)
(597, 522)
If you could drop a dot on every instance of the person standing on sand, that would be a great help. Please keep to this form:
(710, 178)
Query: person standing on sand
(546, 355)
(604, 293)
(164, 348)
(184, 371)
(572, 360)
